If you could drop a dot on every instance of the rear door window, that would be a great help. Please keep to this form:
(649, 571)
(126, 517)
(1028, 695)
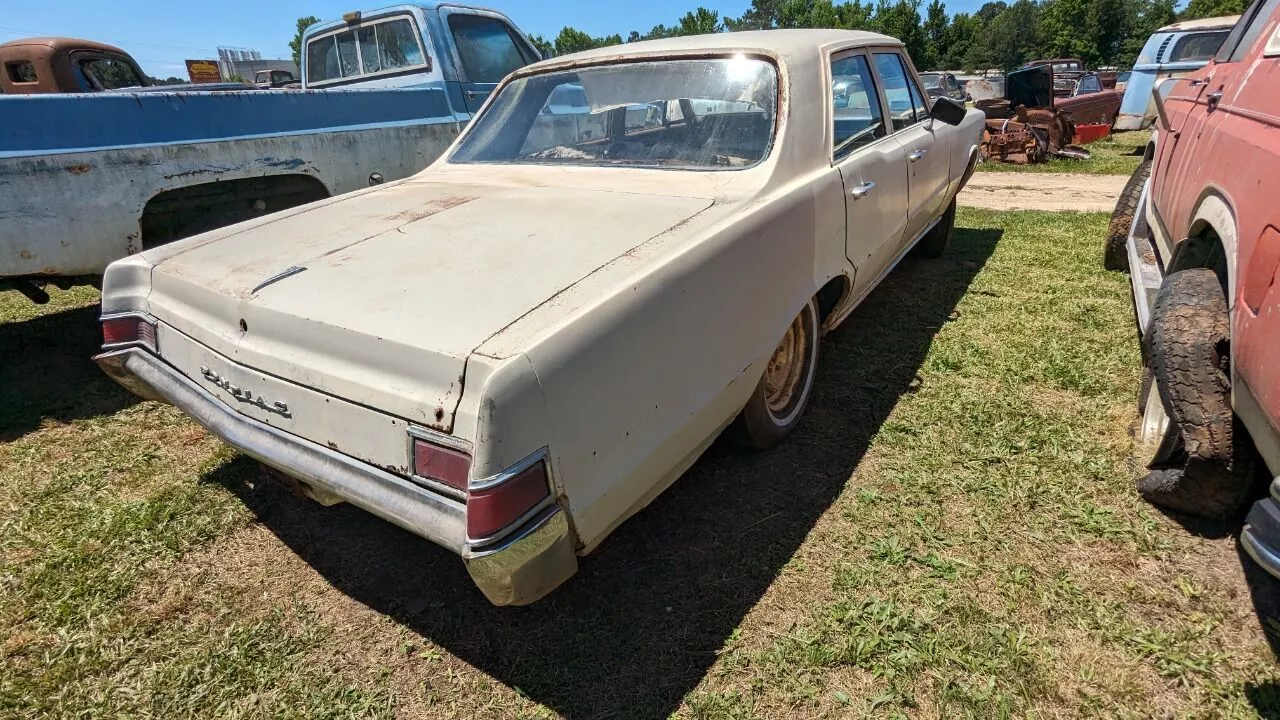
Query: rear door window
(856, 114)
(487, 47)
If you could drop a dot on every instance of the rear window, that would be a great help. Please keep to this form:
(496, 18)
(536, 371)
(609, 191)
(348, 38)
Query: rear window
(21, 72)
(1200, 47)
(381, 46)
(487, 48)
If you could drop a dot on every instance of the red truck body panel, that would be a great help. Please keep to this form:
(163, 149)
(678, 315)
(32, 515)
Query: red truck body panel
(1221, 151)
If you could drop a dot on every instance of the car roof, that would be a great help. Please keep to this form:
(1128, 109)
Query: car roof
(792, 47)
(1213, 23)
(64, 43)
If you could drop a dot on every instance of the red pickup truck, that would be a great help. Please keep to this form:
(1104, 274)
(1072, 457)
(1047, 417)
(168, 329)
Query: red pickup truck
(1198, 228)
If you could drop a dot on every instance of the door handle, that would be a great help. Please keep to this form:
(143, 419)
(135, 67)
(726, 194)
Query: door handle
(472, 94)
(860, 191)
(1213, 99)
(917, 154)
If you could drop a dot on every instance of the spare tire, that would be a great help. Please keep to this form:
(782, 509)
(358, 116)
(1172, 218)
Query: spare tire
(1200, 461)
(1114, 254)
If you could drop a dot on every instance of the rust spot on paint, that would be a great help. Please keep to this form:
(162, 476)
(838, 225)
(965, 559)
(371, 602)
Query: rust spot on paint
(25, 254)
(79, 169)
(332, 445)
(439, 413)
(431, 208)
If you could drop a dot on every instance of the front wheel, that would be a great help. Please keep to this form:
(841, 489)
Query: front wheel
(780, 398)
(935, 242)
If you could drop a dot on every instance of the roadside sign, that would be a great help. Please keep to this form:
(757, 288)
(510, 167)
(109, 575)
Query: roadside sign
(204, 71)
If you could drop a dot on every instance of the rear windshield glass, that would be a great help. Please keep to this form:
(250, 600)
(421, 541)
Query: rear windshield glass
(693, 114)
(376, 47)
(1197, 48)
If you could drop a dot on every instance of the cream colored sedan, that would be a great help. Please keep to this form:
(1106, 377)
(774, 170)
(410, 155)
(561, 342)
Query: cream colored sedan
(519, 348)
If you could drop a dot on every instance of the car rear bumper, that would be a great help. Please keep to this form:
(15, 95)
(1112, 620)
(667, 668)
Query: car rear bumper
(1261, 534)
(524, 567)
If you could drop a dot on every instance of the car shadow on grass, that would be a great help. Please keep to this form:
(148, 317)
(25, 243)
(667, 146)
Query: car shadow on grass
(47, 372)
(641, 623)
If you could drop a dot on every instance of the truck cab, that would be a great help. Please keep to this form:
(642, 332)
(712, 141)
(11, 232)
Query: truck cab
(465, 51)
(42, 65)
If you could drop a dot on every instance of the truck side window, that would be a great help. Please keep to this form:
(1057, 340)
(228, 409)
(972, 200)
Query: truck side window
(331, 57)
(906, 103)
(486, 47)
(105, 73)
(390, 45)
(857, 117)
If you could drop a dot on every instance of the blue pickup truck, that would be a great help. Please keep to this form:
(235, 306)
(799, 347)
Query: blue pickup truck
(87, 179)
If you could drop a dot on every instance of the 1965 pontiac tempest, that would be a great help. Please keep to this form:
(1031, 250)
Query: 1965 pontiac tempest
(519, 348)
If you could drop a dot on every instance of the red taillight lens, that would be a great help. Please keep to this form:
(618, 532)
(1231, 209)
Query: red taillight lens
(441, 464)
(493, 509)
(128, 330)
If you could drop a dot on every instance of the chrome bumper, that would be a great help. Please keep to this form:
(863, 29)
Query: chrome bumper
(1261, 535)
(529, 564)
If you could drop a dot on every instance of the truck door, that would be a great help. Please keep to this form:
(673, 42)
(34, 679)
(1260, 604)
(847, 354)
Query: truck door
(873, 170)
(485, 48)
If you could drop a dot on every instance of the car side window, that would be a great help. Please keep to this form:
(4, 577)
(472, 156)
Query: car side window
(1250, 25)
(857, 117)
(906, 102)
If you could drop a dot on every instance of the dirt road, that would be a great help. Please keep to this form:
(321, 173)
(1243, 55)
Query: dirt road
(1043, 191)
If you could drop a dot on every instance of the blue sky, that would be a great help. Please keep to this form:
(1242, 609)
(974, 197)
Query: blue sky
(160, 34)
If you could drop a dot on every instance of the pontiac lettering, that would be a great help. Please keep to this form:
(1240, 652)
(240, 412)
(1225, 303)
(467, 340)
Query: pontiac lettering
(243, 395)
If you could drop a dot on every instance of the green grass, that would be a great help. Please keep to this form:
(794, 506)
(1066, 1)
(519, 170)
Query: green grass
(1113, 155)
(953, 532)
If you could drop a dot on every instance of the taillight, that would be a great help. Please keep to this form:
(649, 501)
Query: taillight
(442, 464)
(126, 330)
(494, 508)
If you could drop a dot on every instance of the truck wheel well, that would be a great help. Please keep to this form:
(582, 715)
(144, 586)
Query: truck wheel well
(831, 295)
(186, 211)
(1203, 249)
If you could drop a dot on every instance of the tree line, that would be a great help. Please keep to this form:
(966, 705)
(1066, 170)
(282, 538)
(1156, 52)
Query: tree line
(1000, 34)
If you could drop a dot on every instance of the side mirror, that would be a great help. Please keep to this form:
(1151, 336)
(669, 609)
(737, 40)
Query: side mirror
(1157, 97)
(947, 110)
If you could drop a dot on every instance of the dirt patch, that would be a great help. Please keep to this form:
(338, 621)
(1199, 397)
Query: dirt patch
(1043, 191)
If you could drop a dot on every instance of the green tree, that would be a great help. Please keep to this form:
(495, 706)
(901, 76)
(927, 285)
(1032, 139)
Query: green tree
(545, 47)
(1150, 15)
(959, 38)
(572, 40)
(935, 35)
(296, 43)
(902, 20)
(762, 15)
(856, 15)
(1010, 39)
(1212, 8)
(700, 21)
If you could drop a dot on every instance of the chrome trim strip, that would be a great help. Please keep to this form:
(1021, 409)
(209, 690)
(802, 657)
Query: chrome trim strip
(287, 272)
(440, 438)
(393, 498)
(505, 475)
(1266, 558)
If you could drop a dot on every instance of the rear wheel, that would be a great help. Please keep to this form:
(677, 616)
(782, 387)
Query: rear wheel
(780, 398)
(935, 242)
(1114, 254)
(1200, 460)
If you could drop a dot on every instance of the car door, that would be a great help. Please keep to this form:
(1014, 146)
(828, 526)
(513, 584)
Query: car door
(928, 160)
(873, 169)
(485, 49)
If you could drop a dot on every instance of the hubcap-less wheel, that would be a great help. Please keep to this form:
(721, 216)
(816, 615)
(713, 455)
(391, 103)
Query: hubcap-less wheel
(784, 376)
(1157, 439)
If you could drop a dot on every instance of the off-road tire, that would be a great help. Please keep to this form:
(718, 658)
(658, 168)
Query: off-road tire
(1114, 254)
(935, 242)
(761, 426)
(1207, 467)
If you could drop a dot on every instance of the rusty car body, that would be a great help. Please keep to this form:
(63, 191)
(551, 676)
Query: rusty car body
(1208, 211)
(114, 173)
(517, 349)
(65, 65)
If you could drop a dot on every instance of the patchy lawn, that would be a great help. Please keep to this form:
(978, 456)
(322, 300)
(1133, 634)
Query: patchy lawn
(952, 532)
(1117, 154)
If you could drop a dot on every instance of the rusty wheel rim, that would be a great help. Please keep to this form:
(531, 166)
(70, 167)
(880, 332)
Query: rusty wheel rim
(784, 376)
